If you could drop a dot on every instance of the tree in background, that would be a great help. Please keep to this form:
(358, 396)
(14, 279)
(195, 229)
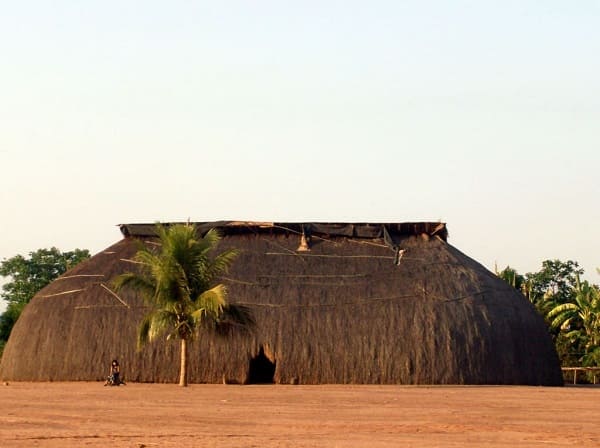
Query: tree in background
(557, 293)
(554, 284)
(178, 279)
(28, 276)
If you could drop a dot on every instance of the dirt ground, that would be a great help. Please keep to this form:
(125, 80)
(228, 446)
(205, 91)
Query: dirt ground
(162, 415)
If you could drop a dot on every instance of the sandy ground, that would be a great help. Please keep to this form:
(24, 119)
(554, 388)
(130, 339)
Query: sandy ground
(161, 415)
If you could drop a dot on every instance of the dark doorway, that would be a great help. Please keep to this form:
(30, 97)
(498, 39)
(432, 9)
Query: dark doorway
(262, 370)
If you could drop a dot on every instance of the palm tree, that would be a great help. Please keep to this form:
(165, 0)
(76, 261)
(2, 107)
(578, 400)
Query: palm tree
(511, 276)
(177, 279)
(580, 319)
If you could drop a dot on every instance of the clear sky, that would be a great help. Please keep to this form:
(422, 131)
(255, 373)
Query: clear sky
(483, 114)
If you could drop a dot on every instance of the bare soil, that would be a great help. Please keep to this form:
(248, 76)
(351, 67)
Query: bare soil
(161, 415)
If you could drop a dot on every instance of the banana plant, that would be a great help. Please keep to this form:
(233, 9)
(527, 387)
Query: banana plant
(579, 320)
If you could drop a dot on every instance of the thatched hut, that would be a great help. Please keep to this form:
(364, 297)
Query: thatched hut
(334, 303)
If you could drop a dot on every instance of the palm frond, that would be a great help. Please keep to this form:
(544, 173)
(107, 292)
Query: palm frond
(143, 331)
(209, 240)
(154, 324)
(235, 319)
(221, 263)
(133, 281)
(213, 300)
(146, 257)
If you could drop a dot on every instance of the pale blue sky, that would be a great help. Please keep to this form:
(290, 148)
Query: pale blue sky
(484, 114)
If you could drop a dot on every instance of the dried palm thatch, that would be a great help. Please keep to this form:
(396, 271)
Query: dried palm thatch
(333, 303)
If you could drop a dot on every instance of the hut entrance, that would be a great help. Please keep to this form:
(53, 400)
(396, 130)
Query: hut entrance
(262, 370)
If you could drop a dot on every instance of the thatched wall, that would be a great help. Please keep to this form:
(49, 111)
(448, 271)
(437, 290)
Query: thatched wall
(395, 305)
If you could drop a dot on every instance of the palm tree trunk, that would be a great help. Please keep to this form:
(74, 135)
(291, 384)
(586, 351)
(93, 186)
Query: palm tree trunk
(183, 365)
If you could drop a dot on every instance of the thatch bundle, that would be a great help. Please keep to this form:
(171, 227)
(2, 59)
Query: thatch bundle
(334, 303)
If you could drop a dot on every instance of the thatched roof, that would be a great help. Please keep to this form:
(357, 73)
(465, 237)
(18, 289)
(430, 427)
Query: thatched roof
(334, 303)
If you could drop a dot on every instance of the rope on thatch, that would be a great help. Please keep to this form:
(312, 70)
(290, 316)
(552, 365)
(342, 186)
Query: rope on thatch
(288, 251)
(62, 293)
(314, 275)
(360, 301)
(318, 283)
(279, 246)
(395, 257)
(114, 295)
(79, 275)
(330, 256)
(328, 305)
(265, 279)
(88, 307)
(364, 242)
(127, 260)
(241, 282)
(326, 240)
(329, 240)
(266, 240)
(475, 294)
